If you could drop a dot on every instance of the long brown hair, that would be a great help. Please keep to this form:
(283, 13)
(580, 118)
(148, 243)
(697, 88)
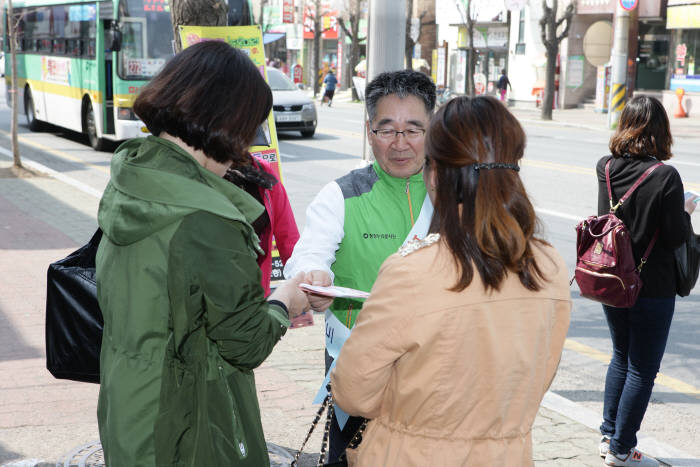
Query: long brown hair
(484, 216)
(643, 130)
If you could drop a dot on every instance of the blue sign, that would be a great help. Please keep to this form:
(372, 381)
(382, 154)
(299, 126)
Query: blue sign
(629, 5)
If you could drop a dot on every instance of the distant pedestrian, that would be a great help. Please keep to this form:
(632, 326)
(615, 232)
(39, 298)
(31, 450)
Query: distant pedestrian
(639, 333)
(503, 85)
(330, 81)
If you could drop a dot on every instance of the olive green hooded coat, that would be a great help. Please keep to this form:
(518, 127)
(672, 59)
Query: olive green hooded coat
(185, 318)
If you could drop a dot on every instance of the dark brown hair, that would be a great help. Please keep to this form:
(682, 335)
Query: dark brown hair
(643, 130)
(496, 227)
(211, 96)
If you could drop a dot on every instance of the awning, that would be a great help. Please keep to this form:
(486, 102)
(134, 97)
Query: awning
(272, 37)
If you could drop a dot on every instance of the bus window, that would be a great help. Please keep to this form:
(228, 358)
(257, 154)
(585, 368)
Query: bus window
(147, 35)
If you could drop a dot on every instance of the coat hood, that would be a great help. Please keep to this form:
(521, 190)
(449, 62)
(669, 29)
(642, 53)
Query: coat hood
(154, 183)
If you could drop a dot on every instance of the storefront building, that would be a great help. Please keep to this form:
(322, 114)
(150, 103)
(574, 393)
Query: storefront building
(683, 21)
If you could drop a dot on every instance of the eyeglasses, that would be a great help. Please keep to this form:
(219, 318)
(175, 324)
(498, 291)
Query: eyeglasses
(410, 134)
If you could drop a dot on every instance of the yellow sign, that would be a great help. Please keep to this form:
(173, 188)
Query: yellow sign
(683, 17)
(249, 40)
(434, 66)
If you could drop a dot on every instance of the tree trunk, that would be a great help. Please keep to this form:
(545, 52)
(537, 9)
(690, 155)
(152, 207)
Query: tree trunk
(197, 13)
(317, 45)
(16, 159)
(548, 100)
(408, 53)
(354, 60)
(471, 56)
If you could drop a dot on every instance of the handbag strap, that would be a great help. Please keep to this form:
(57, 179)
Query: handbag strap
(326, 403)
(639, 181)
(627, 194)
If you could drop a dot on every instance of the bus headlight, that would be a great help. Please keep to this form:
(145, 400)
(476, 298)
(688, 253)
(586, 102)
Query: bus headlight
(126, 113)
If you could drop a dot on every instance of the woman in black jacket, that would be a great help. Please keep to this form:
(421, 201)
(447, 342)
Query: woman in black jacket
(639, 334)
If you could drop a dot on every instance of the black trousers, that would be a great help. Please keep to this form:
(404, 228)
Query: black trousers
(339, 439)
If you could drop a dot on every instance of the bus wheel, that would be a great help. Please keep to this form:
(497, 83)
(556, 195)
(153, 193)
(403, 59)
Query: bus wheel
(29, 113)
(98, 144)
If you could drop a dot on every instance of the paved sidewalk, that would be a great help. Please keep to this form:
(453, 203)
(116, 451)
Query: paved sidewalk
(44, 420)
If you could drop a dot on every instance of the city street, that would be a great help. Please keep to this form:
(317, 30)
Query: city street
(558, 171)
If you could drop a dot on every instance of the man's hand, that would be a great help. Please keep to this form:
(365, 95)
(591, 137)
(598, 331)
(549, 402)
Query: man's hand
(321, 278)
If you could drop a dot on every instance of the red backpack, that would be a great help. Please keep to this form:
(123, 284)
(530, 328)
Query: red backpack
(605, 268)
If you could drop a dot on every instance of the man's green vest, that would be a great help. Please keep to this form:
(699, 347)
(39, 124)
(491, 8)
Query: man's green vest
(379, 212)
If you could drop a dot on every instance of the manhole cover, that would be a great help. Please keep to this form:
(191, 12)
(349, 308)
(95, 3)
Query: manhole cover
(90, 455)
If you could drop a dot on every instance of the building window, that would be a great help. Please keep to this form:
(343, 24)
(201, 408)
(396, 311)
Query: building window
(520, 46)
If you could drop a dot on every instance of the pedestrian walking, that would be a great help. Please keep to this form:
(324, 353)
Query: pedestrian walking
(462, 334)
(358, 220)
(331, 82)
(185, 317)
(639, 334)
(503, 85)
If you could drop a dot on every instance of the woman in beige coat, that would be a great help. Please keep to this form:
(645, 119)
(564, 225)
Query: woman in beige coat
(463, 331)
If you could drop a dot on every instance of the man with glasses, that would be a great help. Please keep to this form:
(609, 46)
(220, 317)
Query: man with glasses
(358, 220)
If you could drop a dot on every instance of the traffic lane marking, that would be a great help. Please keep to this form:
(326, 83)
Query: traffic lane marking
(661, 379)
(56, 152)
(577, 169)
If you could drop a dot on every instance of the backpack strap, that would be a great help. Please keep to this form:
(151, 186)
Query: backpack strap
(614, 208)
(639, 181)
(648, 250)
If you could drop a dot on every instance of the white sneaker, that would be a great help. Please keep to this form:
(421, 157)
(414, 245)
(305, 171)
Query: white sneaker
(633, 458)
(604, 446)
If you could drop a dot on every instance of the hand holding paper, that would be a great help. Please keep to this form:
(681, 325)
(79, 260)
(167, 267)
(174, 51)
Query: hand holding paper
(333, 291)
(691, 199)
(318, 278)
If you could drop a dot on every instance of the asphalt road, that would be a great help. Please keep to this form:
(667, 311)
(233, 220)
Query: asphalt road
(558, 171)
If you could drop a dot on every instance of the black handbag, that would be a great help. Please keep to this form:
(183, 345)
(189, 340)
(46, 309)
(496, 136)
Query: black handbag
(687, 259)
(73, 316)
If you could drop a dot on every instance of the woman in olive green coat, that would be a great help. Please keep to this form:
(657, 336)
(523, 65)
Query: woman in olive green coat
(186, 320)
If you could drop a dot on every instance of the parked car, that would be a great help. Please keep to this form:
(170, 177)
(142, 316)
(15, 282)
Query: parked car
(294, 110)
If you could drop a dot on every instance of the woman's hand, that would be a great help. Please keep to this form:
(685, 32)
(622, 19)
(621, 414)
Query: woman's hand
(292, 296)
(690, 204)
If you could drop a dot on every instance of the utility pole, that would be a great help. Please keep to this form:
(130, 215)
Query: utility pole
(618, 88)
(386, 44)
(387, 32)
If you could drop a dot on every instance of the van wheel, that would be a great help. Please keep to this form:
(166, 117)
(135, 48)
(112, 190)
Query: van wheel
(308, 133)
(97, 143)
(29, 112)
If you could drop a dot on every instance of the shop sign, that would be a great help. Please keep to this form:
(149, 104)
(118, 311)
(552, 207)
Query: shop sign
(629, 5)
(298, 73)
(288, 11)
(683, 17)
(494, 38)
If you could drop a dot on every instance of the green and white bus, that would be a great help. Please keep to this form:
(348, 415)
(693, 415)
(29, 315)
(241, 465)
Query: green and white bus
(80, 63)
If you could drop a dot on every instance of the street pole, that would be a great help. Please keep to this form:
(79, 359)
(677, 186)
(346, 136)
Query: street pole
(387, 30)
(618, 88)
(386, 43)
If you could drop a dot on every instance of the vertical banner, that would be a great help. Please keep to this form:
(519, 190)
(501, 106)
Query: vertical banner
(434, 66)
(249, 40)
(339, 66)
(288, 11)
